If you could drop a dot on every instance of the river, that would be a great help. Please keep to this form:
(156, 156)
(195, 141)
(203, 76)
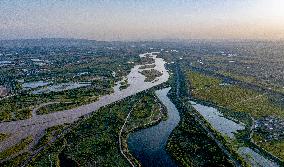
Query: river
(149, 145)
(36, 125)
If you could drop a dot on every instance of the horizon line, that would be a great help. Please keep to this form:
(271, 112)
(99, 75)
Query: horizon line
(150, 40)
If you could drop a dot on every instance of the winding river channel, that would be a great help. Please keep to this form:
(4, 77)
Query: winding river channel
(36, 125)
(149, 145)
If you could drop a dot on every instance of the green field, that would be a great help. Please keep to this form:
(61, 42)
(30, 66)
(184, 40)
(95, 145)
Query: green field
(232, 97)
(240, 100)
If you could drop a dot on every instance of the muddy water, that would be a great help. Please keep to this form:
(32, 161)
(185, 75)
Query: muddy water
(36, 125)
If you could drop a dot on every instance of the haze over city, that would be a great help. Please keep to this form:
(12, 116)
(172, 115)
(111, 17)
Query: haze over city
(142, 20)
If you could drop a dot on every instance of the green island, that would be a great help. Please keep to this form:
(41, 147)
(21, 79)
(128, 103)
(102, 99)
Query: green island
(150, 75)
(54, 107)
(147, 66)
(148, 111)
(124, 84)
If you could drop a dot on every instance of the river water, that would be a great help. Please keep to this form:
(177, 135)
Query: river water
(36, 125)
(149, 145)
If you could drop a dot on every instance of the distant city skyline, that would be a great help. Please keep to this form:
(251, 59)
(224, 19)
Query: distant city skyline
(142, 20)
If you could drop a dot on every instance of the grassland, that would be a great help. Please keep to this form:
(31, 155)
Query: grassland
(233, 97)
(253, 80)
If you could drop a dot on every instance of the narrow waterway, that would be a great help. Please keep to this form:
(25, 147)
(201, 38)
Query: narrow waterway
(149, 145)
(223, 125)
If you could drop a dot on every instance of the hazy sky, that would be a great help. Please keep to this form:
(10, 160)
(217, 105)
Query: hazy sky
(142, 19)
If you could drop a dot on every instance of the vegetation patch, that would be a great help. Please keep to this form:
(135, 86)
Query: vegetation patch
(267, 115)
(147, 66)
(50, 108)
(233, 97)
(62, 65)
(3, 136)
(124, 84)
(16, 148)
(94, 140)
(147, 60)
(16, 161)
(48, 135)
(275, 147)
(190, 145)
(147, 111)
(151, 75)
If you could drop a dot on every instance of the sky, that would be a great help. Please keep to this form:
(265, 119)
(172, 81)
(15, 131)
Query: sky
(142, 19)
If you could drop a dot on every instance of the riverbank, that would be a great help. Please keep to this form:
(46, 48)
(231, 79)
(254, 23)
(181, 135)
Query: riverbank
(97, 137)
(194, 142)
(131, 126)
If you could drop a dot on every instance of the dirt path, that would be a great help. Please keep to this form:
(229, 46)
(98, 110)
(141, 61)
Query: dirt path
(120, 138)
